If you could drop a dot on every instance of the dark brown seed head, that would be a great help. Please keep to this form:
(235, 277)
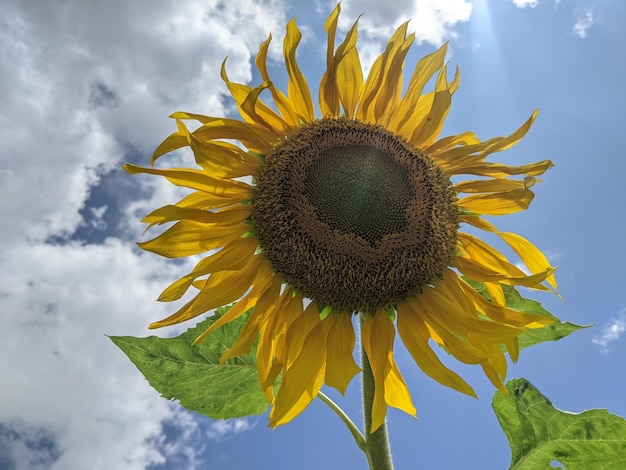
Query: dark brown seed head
(353, 216)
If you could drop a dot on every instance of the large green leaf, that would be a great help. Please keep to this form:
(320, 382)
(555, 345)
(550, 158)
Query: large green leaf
(552, 332)
(193, 375)
(542, 436)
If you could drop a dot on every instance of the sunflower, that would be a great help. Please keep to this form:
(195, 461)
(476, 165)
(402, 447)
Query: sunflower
(307, 220)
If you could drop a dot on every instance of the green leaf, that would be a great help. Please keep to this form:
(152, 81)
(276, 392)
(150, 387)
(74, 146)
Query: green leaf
(193, 375)
(553, 332)
(542, 436)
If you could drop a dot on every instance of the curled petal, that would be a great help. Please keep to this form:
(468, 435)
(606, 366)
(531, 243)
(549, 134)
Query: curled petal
(303, 379)
(414, 334)
(221, 288)
(340, 368)
(377, 336)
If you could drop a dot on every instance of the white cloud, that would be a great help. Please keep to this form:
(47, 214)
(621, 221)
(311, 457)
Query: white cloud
(85, 84)
(60, 372)
(433, 21)
(526, 3)
(97, 221)
(585, 20)
(221, 428)
(32, 448)
(185, 451)
(611, 333)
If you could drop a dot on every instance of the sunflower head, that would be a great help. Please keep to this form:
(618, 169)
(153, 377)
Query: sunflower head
(352, 211)
(353, 216)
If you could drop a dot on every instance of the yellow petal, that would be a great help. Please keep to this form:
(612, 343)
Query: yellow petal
(466, 323)
(529, 253)
(190, 238)
(512, 346)
(206, 201)
(390, 90)
(263, 297)
(430, 127)
(464, 139)
(285, 108)
(377, 339)
(424, 70)
(447, 330)
(241, 307)
(249, 333)
(297, 88)
(389, 388)
(260, 292)
(253, 109)
(291, 313)
(197, 179)
(453, 289)
(502, 313)
(221, 288)
(434, 335)
(414, 334)
(457, 157)
(267, 364)
(303, 380)
(396, 391)
(503, 203)
(473, 163)
(223, 159)
(350, 81)
(328, 93)
(376, 87)
(232, 257)
(298, 331)
(330, 26)
(343, 79)
(473, 248)
(341, 367)
(494, 289)
(254, 136)
(476, 271)
(349, 72)
(497, 170)
(230, 216)
(493, 185)
(512, 139)
(495, 367)
(172, 142)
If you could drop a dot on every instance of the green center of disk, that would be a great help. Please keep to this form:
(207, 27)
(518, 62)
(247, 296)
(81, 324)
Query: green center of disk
(359, 189)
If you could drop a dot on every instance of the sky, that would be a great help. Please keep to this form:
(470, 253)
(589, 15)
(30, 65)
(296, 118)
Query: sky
(88, 86)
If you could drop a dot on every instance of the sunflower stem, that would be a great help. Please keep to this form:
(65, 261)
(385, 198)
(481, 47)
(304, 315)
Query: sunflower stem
(376, 443)
(353, 428)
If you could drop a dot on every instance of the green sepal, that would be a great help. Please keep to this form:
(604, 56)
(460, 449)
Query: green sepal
(193, 375)
(260, 156)
(541, 435)
(391, 312)
(325, 312)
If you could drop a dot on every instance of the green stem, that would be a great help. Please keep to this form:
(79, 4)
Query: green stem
(377, 443)
(354, 430)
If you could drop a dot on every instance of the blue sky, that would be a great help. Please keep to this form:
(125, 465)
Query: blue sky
(88, 86)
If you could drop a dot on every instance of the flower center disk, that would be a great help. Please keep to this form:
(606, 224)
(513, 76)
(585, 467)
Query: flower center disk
(353, 216)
